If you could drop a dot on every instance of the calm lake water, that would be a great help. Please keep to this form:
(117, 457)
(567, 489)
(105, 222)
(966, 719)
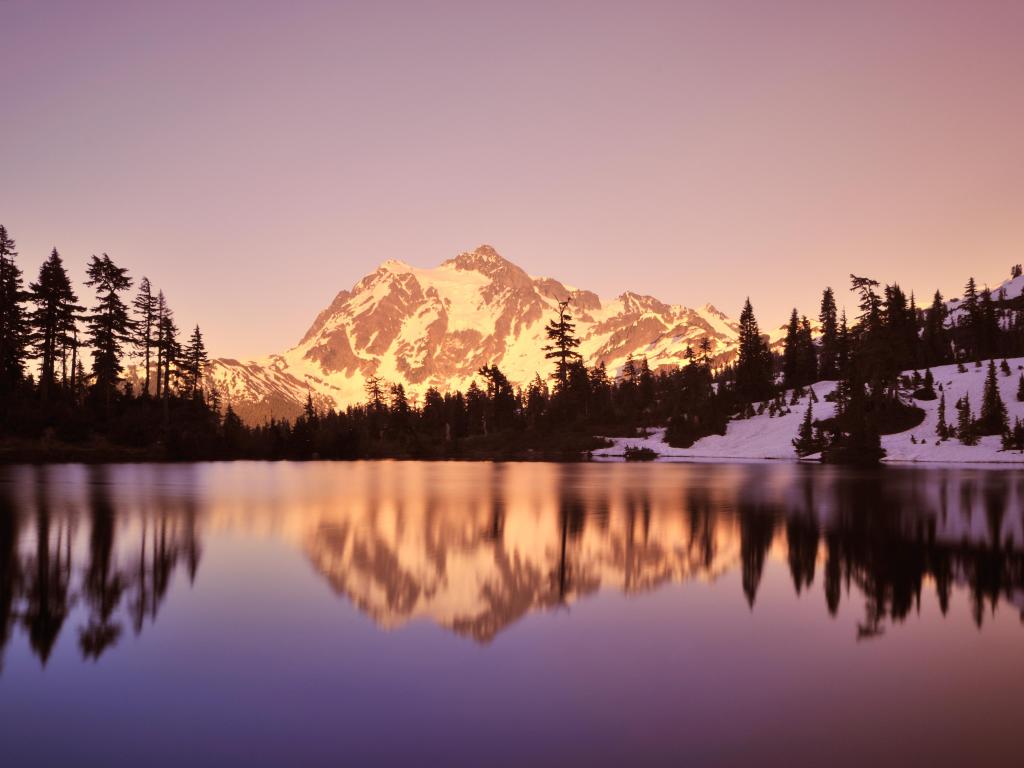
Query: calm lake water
(478, 614)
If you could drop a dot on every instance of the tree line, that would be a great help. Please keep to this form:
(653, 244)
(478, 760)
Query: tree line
(168, 409)
(47, 391)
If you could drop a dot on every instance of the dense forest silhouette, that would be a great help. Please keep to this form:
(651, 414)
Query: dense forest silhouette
(165, 406)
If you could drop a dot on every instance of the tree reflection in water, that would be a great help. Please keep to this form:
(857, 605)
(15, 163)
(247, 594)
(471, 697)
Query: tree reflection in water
(474, 547)
(42, 576)
(885, 533)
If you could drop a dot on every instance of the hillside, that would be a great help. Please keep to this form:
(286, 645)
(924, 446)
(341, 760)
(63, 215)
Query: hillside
(770, 437)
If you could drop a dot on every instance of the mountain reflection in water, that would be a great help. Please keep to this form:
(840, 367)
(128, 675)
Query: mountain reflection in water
(474, 547)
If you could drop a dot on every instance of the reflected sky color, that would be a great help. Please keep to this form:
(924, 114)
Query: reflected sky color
(502, 614)
(247, 155)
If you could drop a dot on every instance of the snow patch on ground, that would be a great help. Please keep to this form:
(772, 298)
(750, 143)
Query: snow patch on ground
(765, 437)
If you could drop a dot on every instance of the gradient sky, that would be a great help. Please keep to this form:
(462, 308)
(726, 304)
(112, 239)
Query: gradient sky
(254, 158)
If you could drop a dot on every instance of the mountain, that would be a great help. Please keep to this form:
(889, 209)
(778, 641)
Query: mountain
(475, 551)
(436, 327)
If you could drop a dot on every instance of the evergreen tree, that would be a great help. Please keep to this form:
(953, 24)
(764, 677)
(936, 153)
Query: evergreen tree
(965, 422)
(53, 320)
(705, 351)
(942, 428)
(901, 332)
(870, 318)
(194, 361)
(500, 398)
(828, 362)
(970, 318)
(987, 331)
(162, 310)
(1020, 389)
(374, 388)
(935, 337)
(629, 370)
(806, 441)
(145, 306)
(754, 365)
(109, 324)
(13, 318)
(970, 301)
(564, 343)
(645, 385)
(791, 353)
(993, 419)
(843, 345)
(600, 390)
(169, 350)
(807, 354)
(400, 411)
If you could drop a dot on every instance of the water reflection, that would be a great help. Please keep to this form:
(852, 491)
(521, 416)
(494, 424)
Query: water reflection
(122, 574)
(475, 547)
(886, 534)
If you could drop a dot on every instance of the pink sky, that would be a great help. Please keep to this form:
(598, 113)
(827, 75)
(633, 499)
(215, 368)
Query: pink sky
(254, 158)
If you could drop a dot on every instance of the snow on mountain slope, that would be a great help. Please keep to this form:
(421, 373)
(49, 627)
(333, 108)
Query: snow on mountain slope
(1008, 289)
(438, 326)
(767, 437)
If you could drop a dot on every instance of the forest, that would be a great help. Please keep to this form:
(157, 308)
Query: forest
(66, 391)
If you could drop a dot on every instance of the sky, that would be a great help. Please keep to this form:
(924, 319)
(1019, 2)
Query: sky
(254, 158)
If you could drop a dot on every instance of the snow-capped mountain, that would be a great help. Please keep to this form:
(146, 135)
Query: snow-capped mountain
(436, 327)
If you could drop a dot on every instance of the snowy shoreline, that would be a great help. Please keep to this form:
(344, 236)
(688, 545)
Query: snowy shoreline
(769, 438)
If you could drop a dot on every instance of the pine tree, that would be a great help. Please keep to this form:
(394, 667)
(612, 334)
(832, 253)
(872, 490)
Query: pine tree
(935, 337)
(970, 319)
(942, 428)
(400, 412)
(987, 326)
(629, 370)
(805, 441)
(109, 324)
(754, 365)
(791, 353)
(965, 422)
(145, 306)
(161, 310)
(562, 348)
(993, 420)
(970, 301)
(13, 317)
(309, 410)
(374, 388)
(828, 362)
(843, 348)
(705, 352)
(645, 385)
(53, 320)
(194, 361)
(169, 350)
(808, 354)
(1020, 389)
(870, 318)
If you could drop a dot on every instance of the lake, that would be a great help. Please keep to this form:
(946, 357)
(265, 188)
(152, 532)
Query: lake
(482, 614)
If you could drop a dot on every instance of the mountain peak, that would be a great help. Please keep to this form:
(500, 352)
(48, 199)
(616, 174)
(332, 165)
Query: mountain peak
(436, 327)
(484, 259)
(395, 265)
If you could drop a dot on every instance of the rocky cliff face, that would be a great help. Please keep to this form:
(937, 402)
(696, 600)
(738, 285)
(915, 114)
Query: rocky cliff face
(437, 327)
